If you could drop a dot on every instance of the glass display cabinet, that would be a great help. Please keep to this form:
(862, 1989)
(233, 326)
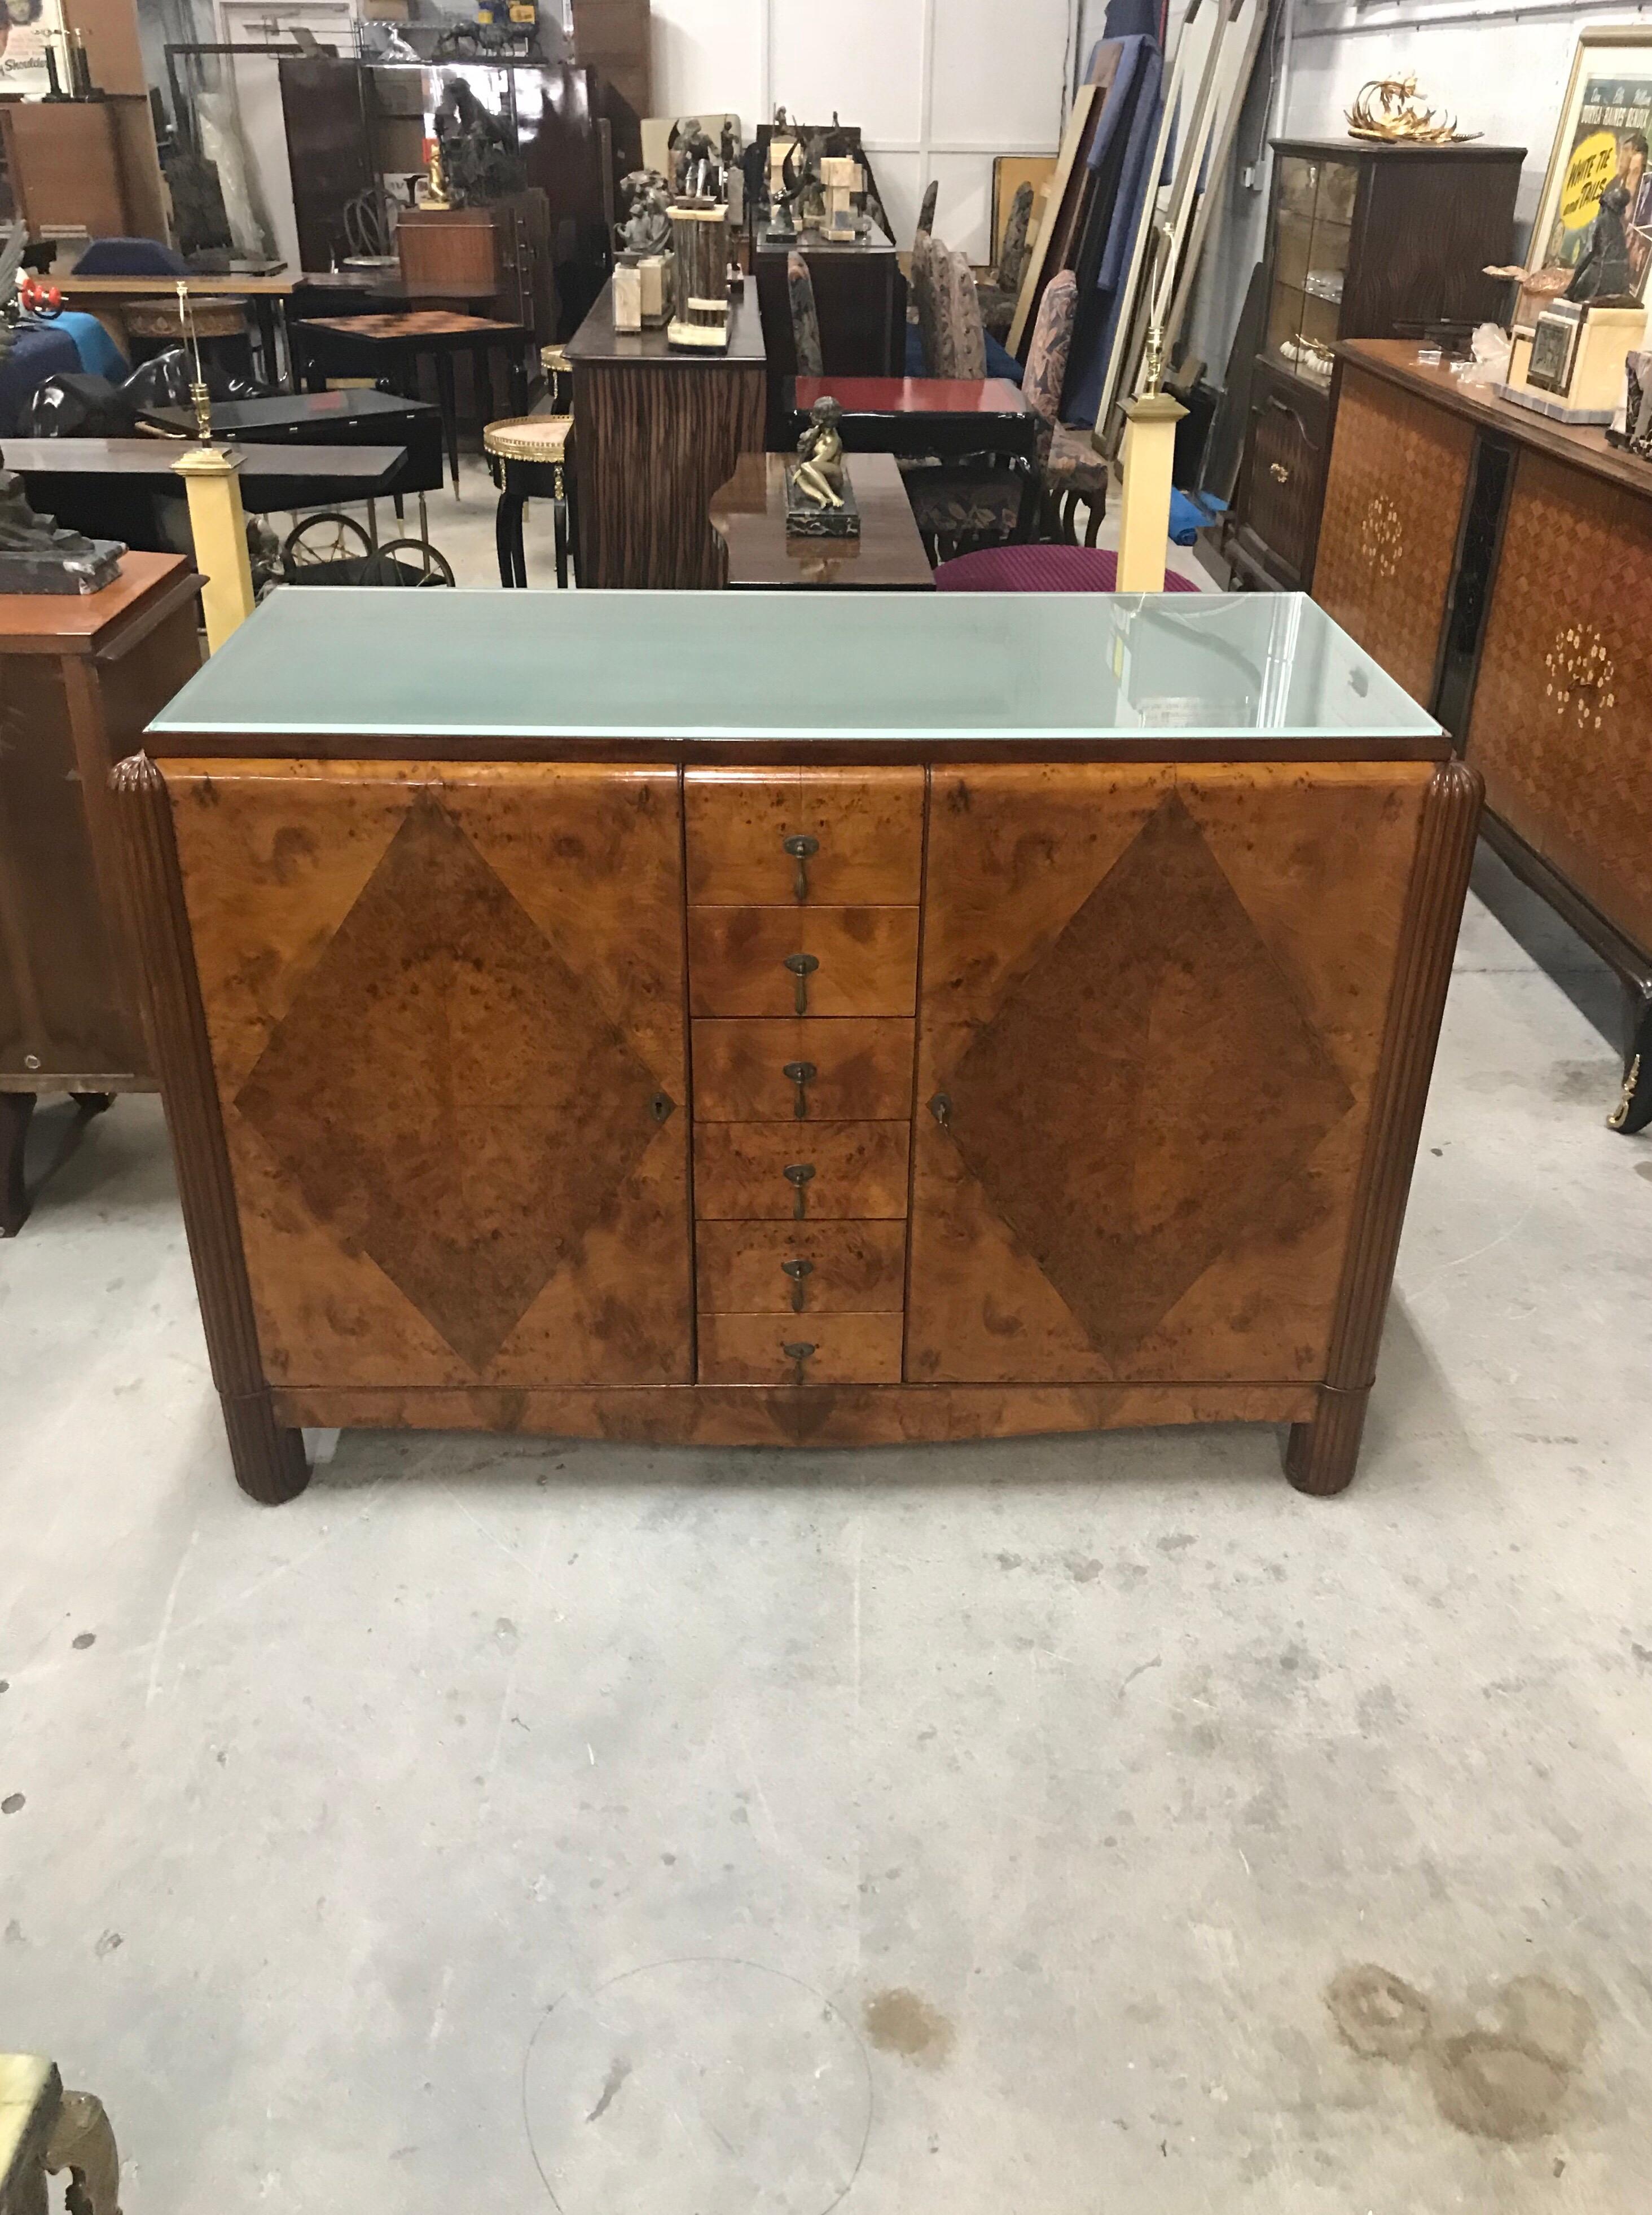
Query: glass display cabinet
(1362, 241)
(794, 1021)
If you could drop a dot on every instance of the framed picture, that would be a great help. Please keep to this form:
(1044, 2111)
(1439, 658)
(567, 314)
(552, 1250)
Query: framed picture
(1603, 138)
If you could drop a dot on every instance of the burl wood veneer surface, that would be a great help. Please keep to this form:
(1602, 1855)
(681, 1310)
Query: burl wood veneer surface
(1399, 469)
(848, 1349)
(1562, 724)
(862, 1069)
(867, 960)
(869, 824)
(740, 1171)
(821, 1415)
(852, 1268)
(443, 1003)
(1154, 1001)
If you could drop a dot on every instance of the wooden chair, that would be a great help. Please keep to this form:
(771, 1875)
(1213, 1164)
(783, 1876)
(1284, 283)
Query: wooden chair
(805, 317)
(44, 2131)
(1001, 291)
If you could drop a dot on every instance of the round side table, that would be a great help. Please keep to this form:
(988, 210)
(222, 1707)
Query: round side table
(531, 458)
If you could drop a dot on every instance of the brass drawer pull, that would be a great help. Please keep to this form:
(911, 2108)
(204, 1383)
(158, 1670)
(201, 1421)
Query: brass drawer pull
(1279, 473)
(802, 850)
(797, 1271)
(802, 1074)
(802, 966)
(799, 1351)
(797, 1175)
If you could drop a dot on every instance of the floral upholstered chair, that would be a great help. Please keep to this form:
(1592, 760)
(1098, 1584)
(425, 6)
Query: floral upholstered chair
(1000, 292)
(805, 318)
(1074, 471)
(962, 508)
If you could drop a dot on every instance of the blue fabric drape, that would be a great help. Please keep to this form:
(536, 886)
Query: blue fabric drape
(1124, 143)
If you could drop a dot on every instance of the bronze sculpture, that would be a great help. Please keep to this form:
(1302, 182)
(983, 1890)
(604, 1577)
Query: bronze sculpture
(646, 197)
(819, 498)
(36, 556)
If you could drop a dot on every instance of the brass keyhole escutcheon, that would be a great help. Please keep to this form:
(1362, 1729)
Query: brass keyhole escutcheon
(799, 1351)
(802, 966)
(662, 1106)
(802, 1074)
(797, 1271)
(941, 1108)
(797, 1175)
(802, 849)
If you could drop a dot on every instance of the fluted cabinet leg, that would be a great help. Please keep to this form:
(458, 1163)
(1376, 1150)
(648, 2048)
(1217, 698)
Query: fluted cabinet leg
(1320, 1455)
(269, 1462)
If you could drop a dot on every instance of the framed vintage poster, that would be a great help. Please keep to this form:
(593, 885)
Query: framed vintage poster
(26, 27)
(1604, 139)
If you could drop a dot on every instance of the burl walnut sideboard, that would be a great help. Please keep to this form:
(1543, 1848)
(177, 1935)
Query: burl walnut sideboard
(792, 1020)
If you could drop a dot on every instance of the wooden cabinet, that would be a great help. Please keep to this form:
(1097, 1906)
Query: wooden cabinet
(80, 677)
(1363, 242)
(1492, 560)
(857, 1090)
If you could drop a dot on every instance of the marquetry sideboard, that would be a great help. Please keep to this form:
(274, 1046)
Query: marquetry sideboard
(1499, 565)
(789, 1022)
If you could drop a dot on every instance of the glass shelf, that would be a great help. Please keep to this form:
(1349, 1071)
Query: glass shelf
(450, 671)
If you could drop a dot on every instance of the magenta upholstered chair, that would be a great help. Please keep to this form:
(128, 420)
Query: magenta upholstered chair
(1041, 569)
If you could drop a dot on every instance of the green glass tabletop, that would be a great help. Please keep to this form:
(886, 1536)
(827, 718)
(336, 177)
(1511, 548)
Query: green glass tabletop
(791, 666)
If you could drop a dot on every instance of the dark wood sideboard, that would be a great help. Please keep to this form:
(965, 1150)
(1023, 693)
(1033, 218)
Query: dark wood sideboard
(657, 429)
(686, 1018)
(1500, 567)
(1363, 242)
(80, 677)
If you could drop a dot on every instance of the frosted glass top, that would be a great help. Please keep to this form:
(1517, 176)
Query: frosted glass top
(731, 666)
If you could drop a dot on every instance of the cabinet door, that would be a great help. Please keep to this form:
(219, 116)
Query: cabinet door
(446, 1015)
(1394, 493)
(1562, 727)
(1152, 1008)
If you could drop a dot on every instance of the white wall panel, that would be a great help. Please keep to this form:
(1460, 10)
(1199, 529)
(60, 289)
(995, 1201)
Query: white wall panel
(863, 59)
(937, 87)
(963, 211)
(707, 59)
(998, 73)
(900, 181)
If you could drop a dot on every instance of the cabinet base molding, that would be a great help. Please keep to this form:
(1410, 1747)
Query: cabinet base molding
(823, 1415)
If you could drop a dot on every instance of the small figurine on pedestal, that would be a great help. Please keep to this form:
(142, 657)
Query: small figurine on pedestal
(842, 179)
(642, 267)
(694, 172)
(819, 498)
(35, 556)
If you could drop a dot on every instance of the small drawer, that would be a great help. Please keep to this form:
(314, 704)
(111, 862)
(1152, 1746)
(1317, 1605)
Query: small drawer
(836, 1170)
(808, 1268)
(861, 833)
(839, 1069)
(802, 961)
(789, 1349)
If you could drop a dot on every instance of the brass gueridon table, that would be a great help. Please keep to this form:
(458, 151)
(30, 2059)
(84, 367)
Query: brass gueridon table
(794, 1020)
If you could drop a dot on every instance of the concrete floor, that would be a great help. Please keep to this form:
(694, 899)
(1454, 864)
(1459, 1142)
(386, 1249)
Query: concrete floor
(504, 1825)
